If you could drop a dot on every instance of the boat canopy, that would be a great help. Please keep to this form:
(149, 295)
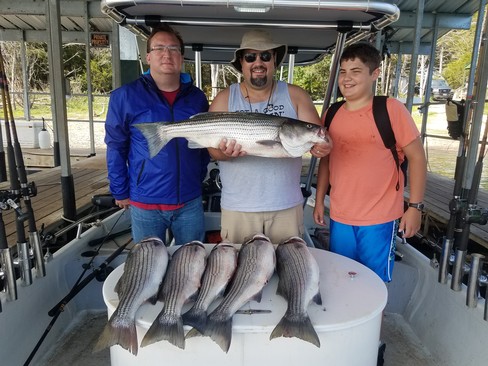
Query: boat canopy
(215, 28)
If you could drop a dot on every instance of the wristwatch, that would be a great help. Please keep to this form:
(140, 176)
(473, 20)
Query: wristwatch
(418, 205)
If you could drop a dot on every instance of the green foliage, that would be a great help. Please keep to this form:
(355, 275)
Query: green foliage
(458, 50)
(456, 72)
(313, 78)
(100, 66)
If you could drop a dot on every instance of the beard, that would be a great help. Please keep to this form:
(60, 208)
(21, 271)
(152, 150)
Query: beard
(259, 82)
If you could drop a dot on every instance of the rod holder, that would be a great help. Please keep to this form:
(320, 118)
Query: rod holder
(473, 280)
(24, 264)
(444, 260)
(458, 270)
(38, 255)
(7, 264)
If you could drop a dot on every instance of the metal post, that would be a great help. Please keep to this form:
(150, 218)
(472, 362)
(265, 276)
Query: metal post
(89, 90)
(425, 106)
(58, 94)
(292, 51)
(198, 48)
(415, 52)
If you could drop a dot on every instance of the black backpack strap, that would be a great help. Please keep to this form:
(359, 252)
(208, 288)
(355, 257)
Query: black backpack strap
(383, 123)
(331, 112)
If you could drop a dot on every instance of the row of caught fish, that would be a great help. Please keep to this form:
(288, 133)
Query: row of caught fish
(241, 275)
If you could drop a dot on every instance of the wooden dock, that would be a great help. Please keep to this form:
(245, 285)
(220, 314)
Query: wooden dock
(89, 176)
(439, 192)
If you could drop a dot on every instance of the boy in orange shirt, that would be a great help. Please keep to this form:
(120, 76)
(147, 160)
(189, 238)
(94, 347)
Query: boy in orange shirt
(366, 208)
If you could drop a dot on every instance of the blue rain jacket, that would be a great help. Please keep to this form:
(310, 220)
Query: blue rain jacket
(175, 175)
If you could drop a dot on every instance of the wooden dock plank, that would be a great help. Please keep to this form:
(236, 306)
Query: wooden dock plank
(438, 194)
(89, 177)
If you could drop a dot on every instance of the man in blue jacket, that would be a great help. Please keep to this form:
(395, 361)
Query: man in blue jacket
(163, 192)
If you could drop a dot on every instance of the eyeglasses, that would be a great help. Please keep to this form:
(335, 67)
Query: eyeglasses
(171, 49)
(264, 56)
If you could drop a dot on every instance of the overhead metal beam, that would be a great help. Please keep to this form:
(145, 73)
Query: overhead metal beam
(40, 36)
(445, 20)
(407, 47)
(38, 7)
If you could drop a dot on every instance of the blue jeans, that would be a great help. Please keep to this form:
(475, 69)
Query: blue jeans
(186, 223)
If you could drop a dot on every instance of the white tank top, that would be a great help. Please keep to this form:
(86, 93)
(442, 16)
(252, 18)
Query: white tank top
(257, 184)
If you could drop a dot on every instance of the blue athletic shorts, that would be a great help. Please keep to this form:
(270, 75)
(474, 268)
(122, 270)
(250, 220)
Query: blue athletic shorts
(373, 245)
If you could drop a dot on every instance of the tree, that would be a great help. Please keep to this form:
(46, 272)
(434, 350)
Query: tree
(313, 78)
(458, 50)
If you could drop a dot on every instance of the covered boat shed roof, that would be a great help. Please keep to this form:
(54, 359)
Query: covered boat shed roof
(28, 20)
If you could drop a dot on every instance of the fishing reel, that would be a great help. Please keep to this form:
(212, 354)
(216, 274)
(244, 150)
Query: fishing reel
(476, 215)
(30, 190)
(4, 197)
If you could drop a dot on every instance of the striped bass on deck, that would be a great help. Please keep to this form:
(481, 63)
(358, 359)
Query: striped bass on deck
(256, 265)
(258, 134)
(221, 265)
(180, 284)
(298, 273)
(144, 270)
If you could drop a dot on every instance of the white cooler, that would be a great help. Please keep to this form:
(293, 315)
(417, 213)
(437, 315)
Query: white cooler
(348, 325)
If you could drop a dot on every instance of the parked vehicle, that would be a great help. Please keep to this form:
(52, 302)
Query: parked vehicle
(440, 90)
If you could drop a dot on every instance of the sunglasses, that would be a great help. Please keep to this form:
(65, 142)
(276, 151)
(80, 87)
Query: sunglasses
(264, 56)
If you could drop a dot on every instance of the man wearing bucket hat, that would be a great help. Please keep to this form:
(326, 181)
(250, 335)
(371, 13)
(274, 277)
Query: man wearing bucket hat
(262, 194)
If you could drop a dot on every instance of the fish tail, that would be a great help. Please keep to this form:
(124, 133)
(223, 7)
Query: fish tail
(123, 335)
(299, 327)
(155, 135)
(220, 331)
(197, 318)
(169, 328)
(193, 332)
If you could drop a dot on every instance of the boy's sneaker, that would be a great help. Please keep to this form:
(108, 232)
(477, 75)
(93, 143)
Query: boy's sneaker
(381, 354)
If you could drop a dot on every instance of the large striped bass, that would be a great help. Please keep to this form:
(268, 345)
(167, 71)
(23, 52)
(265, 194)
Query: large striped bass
(144, 270)
(298, 283)
(256, 265)
(221, 265)
(180, 284)
(258, 134)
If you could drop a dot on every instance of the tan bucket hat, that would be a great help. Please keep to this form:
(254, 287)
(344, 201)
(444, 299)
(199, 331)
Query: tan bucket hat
(258, 40)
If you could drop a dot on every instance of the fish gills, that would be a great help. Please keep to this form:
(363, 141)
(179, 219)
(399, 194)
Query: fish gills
(144, 270)
(221, 265)
(256, 264)
(181, 284)
(298, 283)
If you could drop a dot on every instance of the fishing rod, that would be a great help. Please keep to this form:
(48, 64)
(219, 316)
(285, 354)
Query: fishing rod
(79, 285)
(471, 213)
(6, 262)
(21, 188)
(456, 205)
(467, 210)
(13, 201)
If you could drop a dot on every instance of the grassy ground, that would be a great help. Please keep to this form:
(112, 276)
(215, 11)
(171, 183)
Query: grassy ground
(76, 106)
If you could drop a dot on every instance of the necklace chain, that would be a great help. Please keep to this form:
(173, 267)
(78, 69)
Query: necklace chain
(269, 97)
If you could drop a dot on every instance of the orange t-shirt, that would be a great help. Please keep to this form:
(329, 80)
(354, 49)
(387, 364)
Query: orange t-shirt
(363, 173)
